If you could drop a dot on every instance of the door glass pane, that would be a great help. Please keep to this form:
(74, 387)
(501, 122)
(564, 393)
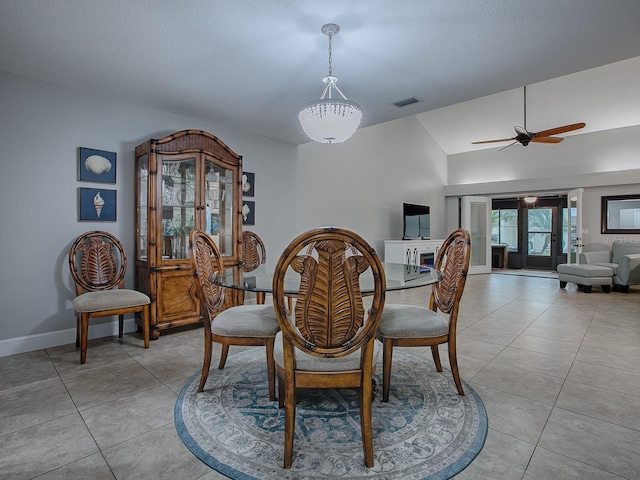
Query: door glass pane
(539, 232)
(143, 205)
(218, 221)
(572, 217)
(478, 233)
(178, 206)
(504, 228)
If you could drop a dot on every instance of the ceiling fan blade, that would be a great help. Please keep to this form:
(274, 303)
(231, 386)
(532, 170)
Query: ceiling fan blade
(559, 130)
(547, 139)
(494, 141)
(507, 146)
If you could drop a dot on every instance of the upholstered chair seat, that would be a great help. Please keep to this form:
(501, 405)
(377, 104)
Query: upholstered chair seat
(246, 321)
(98, 301)
(306, 362)
(411, 321)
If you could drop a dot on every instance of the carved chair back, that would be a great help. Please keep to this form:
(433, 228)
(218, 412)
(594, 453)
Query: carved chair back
(206, 263)
(97, 262)
(453, 261)
(329, 318)
(254, 252)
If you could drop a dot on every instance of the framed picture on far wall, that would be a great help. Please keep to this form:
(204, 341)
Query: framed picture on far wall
(248, 213)
(97, 205)
(248, 184)
(96, 166)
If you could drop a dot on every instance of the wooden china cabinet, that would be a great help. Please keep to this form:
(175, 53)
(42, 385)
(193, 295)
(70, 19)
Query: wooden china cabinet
(187, 180)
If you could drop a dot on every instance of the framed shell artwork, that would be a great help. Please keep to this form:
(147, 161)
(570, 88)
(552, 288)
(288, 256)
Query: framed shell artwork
(97, 205)
(96, 166)
(248, 213)
(248, 184)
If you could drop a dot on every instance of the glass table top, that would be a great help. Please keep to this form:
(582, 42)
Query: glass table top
(399, 277)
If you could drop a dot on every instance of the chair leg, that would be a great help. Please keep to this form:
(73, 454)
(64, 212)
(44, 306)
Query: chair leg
(453, 363)
(271, 369)
(387, 356)
(77, 331)
(280, 391)
(120, 325)
(84, 335)
(289, 422)
(145, 326)
(365, 422)
(436, 357)
(208, 347)
(260, 297)
(223, 355)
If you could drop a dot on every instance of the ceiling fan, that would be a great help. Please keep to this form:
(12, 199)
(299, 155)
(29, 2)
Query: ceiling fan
(524, 136)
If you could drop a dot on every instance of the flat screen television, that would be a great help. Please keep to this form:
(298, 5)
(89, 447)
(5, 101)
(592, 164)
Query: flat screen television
(416, 222)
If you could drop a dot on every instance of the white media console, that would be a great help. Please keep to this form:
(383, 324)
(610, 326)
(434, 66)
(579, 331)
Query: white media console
(411, 252)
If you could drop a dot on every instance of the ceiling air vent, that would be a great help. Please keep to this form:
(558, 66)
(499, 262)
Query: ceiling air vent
(406, 101)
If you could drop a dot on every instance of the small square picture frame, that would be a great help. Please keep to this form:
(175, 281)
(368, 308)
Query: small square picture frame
(96, 165)
(248, 184)
(248, 212)
(97, 205)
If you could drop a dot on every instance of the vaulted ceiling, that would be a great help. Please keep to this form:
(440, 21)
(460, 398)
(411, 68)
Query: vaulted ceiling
(253, 63)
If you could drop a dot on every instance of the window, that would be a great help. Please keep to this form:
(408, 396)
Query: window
(504, 228)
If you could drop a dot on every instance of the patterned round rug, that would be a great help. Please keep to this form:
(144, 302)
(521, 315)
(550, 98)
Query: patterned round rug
(425, 431)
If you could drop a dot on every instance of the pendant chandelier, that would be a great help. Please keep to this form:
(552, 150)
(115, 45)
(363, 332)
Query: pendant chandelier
(330, 120)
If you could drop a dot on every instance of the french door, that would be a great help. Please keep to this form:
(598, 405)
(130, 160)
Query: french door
(541, 237)
(573, 233)
(476, 218)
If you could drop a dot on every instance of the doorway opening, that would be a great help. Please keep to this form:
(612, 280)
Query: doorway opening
(534, 232)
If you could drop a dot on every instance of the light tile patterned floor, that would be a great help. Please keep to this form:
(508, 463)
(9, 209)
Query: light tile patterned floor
(558, 371)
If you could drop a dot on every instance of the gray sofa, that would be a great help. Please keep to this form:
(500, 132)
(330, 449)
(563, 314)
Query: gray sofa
(623, 258)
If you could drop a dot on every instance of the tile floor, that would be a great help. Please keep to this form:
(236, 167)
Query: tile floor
(558, 371)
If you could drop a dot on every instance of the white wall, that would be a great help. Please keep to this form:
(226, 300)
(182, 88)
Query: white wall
(360, 185)
(364, 181)
(41, 128)
(603, 163)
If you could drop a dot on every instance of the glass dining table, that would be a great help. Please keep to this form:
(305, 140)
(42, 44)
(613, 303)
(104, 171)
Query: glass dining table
(260, 280)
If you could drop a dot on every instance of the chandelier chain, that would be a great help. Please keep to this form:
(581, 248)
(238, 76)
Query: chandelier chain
(330, 60)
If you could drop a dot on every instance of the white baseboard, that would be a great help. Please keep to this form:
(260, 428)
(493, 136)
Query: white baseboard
(58, 338)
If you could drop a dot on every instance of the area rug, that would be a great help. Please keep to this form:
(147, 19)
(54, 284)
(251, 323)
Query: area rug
(425, 431)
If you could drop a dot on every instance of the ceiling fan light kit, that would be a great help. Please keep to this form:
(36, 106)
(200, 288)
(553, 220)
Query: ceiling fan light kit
(524, 136)
(330, 120)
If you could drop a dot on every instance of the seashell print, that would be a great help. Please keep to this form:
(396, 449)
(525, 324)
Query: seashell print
(98, 203)
(97, 164)
(246, 186)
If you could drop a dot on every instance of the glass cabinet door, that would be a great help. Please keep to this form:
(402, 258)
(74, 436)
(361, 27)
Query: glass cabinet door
(218, 200)
(142, 210)
(178, 206)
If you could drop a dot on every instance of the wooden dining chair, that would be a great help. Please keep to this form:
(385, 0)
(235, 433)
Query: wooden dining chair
(254, 254)
(417, 326)
(98, 263)
(237, 325)
(328, 340)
